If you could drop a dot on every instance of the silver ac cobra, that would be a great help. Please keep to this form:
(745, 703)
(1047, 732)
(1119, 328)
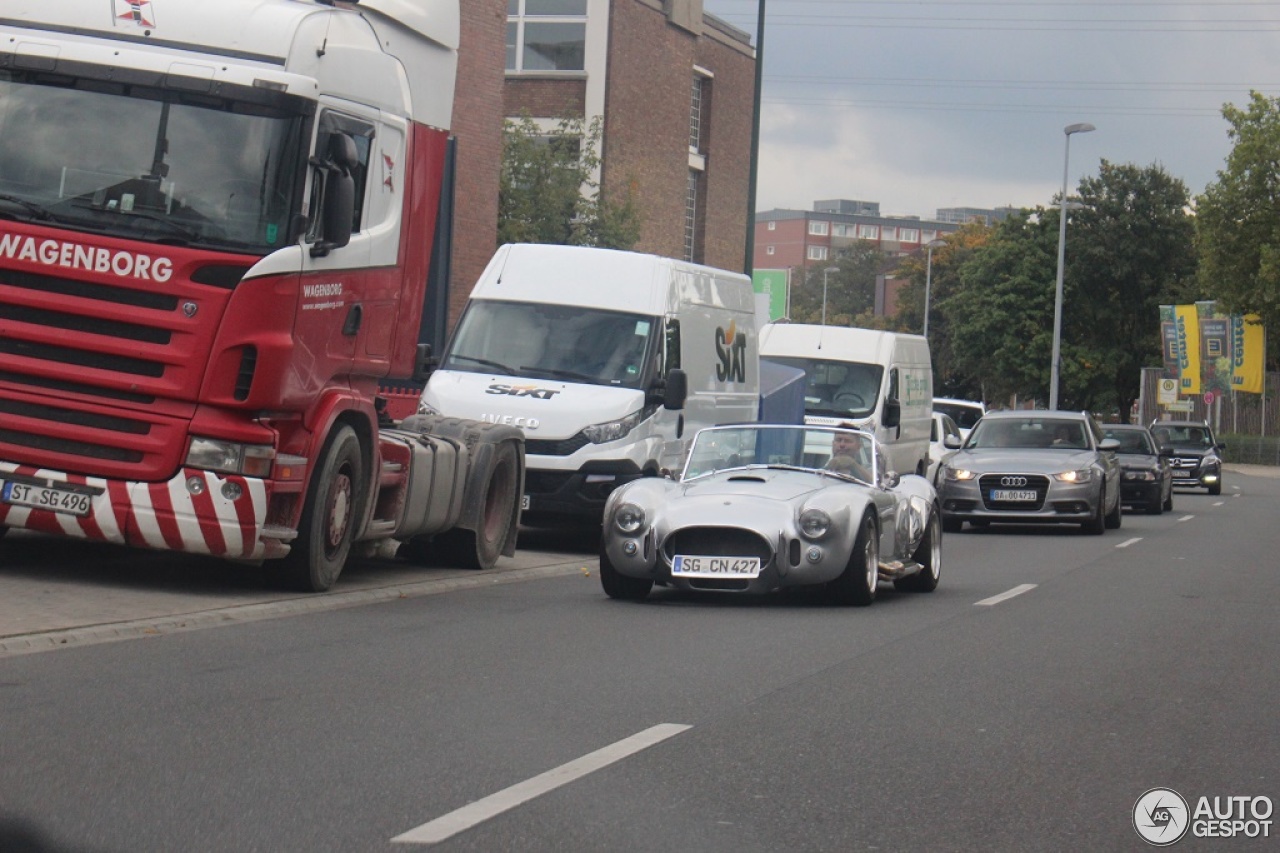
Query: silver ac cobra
(762, 507)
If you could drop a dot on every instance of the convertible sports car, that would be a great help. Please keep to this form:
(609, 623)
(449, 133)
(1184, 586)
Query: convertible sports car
(763, 507)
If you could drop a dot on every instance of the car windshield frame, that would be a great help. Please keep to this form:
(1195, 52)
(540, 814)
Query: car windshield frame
(807, 449)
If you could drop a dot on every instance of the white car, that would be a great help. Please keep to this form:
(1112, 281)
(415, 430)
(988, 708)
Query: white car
(964, 412)
(943, 426)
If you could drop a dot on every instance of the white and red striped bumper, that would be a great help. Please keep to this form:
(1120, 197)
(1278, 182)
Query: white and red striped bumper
(167, 516)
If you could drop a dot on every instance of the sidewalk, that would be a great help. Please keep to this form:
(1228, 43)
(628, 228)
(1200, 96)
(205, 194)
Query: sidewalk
(1252, 470)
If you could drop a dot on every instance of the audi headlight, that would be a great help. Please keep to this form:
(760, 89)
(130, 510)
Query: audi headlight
(613, 430)
(960, 474)
(1082, 476)
(628, 518)
(230, 457)
(814, 523)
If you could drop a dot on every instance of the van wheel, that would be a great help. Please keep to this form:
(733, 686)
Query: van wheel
(480, 548)
(330, 513)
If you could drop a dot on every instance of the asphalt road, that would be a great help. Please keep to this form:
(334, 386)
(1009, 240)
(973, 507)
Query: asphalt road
(1050, 681)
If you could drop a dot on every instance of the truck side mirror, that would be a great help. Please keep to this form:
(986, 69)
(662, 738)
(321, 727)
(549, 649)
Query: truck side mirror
(677, 389)
(339, 195)
(892, 413)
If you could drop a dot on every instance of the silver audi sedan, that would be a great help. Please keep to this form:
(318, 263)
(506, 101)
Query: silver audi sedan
(1033, 467)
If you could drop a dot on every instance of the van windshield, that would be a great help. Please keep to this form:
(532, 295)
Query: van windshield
(541, 341)
(838, 389)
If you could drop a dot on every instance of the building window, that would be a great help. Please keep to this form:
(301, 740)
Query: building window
(839, 229)
(546, 35)
(768, 250)
(696, 112)
(928, 236)
(868, 232)
(772, 226)
(910, 235)
(817, 253)
(818, 228)
(888, 232)
(691, 217)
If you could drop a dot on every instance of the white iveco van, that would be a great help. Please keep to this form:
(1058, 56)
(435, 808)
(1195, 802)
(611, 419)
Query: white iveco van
(880, 382)
(609, 361)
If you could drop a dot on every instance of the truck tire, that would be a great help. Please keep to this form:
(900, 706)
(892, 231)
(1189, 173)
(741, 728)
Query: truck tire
(335, 501)
(480, 548)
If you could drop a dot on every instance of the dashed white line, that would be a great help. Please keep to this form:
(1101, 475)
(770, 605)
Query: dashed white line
(1219, 503)
(1128, 542)
(447, 826)
(1005, 596)
(1185, 518)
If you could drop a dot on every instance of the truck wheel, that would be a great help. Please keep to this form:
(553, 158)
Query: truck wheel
(618, 585)
(329, 515)
(929, 555)
(480, 548)
(858, 582)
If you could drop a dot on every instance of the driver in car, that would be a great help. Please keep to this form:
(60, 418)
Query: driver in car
(845, 452)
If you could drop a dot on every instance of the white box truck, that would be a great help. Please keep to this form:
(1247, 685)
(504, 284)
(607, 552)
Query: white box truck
(879, 382)
(609, 361)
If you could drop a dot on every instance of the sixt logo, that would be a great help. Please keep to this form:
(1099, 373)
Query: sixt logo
(521, 391)
(731, 349)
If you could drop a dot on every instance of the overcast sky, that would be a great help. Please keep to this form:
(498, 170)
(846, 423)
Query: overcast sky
(922, 104)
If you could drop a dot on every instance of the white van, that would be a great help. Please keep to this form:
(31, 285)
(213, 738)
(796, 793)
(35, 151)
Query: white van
(964, 412)
(880, 382)
(609, 361)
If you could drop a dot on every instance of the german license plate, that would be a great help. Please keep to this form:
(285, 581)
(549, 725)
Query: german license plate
(1014, 495)
(46, 497)
(1182, 474)
(690, 566)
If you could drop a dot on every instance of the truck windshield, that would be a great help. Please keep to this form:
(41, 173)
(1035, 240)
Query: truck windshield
(541, 341)
(149, 164)
(838, 389)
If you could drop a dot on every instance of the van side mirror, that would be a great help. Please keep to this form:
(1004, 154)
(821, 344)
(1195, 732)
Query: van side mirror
(677, 389)
(892, 413)
(423, 363)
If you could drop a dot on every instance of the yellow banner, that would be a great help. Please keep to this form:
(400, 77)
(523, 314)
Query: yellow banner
(1248, 343)
(1187, 326)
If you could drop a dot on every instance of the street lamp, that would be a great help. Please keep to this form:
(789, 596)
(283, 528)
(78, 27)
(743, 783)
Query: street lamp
(824, 291)
(1082, 127)
(928, 280)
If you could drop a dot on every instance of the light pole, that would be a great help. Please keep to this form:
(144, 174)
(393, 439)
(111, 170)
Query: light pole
(928, 280)
(1082, 127)
(824, 291)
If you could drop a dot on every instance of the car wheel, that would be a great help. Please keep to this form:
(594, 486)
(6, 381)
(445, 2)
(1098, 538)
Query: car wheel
(1098, 523)
(1216, 488)
(861, 576)
(1167, 506)
(951, 525)
(1114, 518)
(618, 585)
(928, 555)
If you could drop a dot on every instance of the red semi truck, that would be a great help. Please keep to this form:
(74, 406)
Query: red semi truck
(217, 227)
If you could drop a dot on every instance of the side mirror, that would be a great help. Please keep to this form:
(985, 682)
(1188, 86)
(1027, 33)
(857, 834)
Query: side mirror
(1222, 445)
(1166, 450)
(892, 413)
(423, 363)
(952, 442)
(677, 389)
(1109, 444)
(339, 195)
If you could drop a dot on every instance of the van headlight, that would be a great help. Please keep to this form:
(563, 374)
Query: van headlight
(230, 457)
(612, 430)
(425, 408)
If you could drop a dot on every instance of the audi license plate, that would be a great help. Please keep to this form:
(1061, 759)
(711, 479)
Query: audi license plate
(1014, 495)
(46, 497)
(689, 566)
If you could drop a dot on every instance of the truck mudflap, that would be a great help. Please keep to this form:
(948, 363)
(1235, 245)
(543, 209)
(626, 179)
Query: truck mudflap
(196, 511)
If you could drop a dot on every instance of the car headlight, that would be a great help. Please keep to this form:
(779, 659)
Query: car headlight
(612, 430)
(628, 518)
(814, 523)
(960, 474)
(230, 457)
(1139, 474)
(1084, 475)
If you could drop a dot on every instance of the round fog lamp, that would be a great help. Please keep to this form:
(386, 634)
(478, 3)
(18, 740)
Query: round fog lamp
(195, 485)
(630, 548)
(814, 554)
(232, 491)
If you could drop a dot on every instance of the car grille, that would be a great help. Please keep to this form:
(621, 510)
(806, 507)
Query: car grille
(717, 542)
(1187, 462)
(1022, 482)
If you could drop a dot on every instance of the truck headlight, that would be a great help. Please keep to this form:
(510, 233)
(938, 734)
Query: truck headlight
(628, 518)
(612, 430)
(814, 523)
(230, 457)
(1084, 475)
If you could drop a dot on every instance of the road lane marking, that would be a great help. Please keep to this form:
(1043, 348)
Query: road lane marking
(1219, 503)
(1128, 542)
(447, 826)
(1005, 596)
(1185, 518)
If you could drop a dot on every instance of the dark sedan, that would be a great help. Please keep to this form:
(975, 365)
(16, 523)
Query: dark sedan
(1146, 478)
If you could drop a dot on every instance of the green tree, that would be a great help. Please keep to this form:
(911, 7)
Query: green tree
(1238, 217)
(547, 193)
(851, 288)
(1132, 248)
